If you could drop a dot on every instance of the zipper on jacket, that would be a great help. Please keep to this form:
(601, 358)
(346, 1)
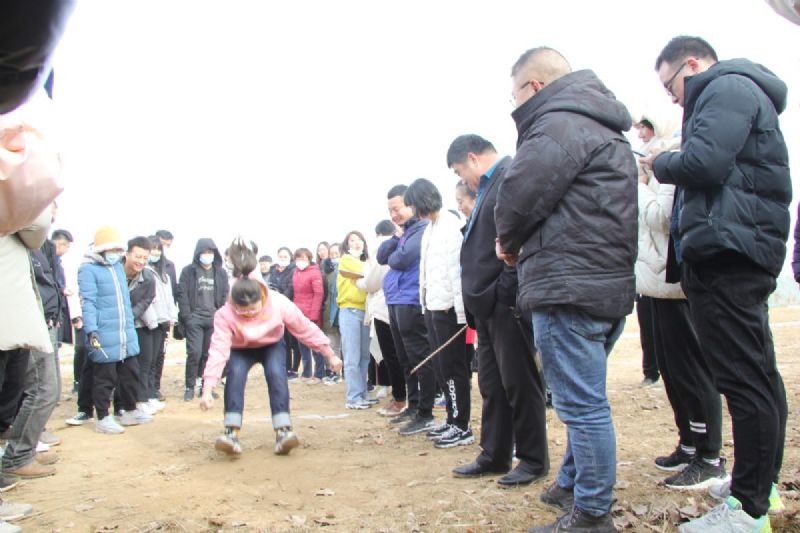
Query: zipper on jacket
(121, 311)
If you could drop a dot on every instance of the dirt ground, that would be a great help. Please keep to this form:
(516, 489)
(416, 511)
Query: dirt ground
(352, 472)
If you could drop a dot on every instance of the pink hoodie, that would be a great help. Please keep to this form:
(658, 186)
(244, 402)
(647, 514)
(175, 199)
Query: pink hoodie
(235, 331)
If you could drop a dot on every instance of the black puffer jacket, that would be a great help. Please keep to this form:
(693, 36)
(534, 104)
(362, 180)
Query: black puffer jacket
(568, 200)
(187, 286)
(733, 166)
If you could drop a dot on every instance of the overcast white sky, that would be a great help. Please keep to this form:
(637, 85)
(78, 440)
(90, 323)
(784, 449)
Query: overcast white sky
(289, 121)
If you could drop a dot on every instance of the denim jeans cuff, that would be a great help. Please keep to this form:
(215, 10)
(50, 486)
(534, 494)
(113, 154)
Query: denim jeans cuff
(233, 420)
(281, 420)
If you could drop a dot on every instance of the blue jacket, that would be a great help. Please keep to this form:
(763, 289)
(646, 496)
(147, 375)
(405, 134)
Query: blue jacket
(106, 306)
(401, 284)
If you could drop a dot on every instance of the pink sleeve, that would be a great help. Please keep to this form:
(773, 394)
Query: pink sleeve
(305, 330)
(219, 351)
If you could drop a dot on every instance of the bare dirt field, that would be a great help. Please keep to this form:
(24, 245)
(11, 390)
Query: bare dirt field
(352, 472)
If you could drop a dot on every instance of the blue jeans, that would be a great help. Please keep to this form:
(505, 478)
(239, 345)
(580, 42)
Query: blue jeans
(273, 358)
(319, 362)
(574, 347)
(355, 349)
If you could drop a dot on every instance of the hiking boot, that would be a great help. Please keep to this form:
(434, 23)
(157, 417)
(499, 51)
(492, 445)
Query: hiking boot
(721, 491)
(135, 417)
(558, 497)
(46, 458)
(108, 425)
(48, 438)
(392, 409)
(698, 475)
(578, 521)
(78, 419)
(285, 441)
(32, 470)
(455, 437)
(229, 443)
(677, 460)
(188, 394)
(404, 417)
(13, 511)
(437, 432)
(418, 424)
(725, 518)
(8, 483)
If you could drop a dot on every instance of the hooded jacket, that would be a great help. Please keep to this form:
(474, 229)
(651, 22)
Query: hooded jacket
(234, 331)
(401, 284)
(567, 204)
(187, 286)
(733, 167)
(106, 306)
(308, 292)
(440, 266)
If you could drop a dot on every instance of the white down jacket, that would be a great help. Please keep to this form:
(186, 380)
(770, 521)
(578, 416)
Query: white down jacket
(440, 266)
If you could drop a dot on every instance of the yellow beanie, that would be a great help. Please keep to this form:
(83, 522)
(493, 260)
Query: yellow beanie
(107, 238)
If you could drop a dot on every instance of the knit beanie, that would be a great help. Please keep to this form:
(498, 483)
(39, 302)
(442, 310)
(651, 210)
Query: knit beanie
(107, 238)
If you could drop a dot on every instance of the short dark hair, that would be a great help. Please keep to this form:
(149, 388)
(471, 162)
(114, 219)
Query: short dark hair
(384, 228)
(288, 250)
(647, 124)
(466, 190)
(465, 144)
(397, 190)
(165, 234)
(683, 46)
(62, 234)
(304, 251)
(424, 197)
(265, 259)
(140, 242)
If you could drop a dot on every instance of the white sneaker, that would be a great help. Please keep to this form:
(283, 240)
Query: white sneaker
(108, 425)
(382, 391)
(725, 518)
(285, 441)
(5, 527)
(145, 408)
(42, 447)
(135, 417)
(13, 511)
(156, 404)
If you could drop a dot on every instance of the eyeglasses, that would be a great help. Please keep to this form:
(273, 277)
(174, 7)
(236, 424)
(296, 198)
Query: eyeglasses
(514, 95)
(669, 82)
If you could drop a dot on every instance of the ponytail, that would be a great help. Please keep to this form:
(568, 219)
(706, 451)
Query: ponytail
(245, 291)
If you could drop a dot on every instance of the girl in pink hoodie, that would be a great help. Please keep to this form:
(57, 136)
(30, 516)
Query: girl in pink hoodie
(249, 329)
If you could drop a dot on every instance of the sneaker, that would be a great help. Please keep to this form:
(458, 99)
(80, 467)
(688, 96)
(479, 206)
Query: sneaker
(145, 408)
(358, 404)
(78, 419)
(382, 392)
(13, 511)
(418, 424)
(188, 395)
(437, 432)
(576, 520)
(229, 443)
(108, 425)
(5, 527)
(331, 380)
(371, 401)
(156, 405)
(8, 483)
(404, 417)
(46, 458)
(698, 475)
(721, 491)
(648, 382)
(727, 517)
(285, 441)
(42, 447)
(291, 375)
(558, 497)
(392, 409)
(135, 417)
(32, 470)
(49, 439)
(455, 437)
(677, 460)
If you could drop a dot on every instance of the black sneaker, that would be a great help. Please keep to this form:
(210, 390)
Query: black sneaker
(418, 424)
(677, 460)
(78, 419)
(578, 521)
(558, 497)
(699, 475)
(188, 395)
(403, 417)
(455, 437)
(437, 432)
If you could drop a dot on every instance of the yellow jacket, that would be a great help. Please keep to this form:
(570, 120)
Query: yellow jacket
(347, 294)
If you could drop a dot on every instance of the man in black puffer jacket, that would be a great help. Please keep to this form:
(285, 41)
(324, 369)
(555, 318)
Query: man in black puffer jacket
(566, 212)
(729, 228)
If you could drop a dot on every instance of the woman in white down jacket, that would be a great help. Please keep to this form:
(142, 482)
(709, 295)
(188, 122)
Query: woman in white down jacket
(440, 297)
(695, 402)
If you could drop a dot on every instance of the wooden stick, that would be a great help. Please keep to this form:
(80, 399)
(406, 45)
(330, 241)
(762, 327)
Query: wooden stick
(439, 349)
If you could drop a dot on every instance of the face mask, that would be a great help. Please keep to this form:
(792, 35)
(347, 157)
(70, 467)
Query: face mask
(355, 253)
(283, 263)
(206, 259)
(335, 261)
(155, 258)
(113, 258)
(302, 265)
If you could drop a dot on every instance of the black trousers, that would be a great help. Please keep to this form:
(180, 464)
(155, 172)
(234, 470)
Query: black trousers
(13, 367)
(79, 357)
(397, 378)
(513, 394)
(123, 377)
(728, 300)
(695, 401)
(411, 343)
(292, 351)
(149, 340)
(158, 367)
(85, 386)
(452, 363)
(647, 334)
(198, 339)
(377, 373)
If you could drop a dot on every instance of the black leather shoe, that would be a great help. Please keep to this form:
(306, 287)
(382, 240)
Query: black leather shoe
(520, 476)
(476, 469)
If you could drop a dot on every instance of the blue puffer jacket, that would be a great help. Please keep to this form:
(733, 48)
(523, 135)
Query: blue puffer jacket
(401, 284)
(106, 306)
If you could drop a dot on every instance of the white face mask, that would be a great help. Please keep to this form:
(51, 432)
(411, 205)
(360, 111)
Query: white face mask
(355, 253)
(206, 259)
(302, 265)
(283, 263)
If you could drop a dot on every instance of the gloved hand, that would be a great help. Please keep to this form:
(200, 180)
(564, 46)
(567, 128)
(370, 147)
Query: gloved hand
(94, 340)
